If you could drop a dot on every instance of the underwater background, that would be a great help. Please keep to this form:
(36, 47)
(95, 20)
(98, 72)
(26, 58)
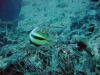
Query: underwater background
(73, 30)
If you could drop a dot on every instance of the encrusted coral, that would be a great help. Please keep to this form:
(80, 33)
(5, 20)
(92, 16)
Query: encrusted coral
(74, 40)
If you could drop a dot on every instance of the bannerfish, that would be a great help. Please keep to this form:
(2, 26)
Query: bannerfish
(38, 38)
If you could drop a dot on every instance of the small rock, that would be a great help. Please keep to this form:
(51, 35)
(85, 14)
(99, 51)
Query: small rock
(2, 34)
(81, 46)
(92, 12)
(91, 27)
(15, 42)
(4, 40)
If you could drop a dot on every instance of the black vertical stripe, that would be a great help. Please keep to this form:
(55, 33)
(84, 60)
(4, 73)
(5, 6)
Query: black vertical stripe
(36, 37)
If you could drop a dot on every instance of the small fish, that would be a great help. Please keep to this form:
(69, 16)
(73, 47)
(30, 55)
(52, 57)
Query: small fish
(38, 38)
